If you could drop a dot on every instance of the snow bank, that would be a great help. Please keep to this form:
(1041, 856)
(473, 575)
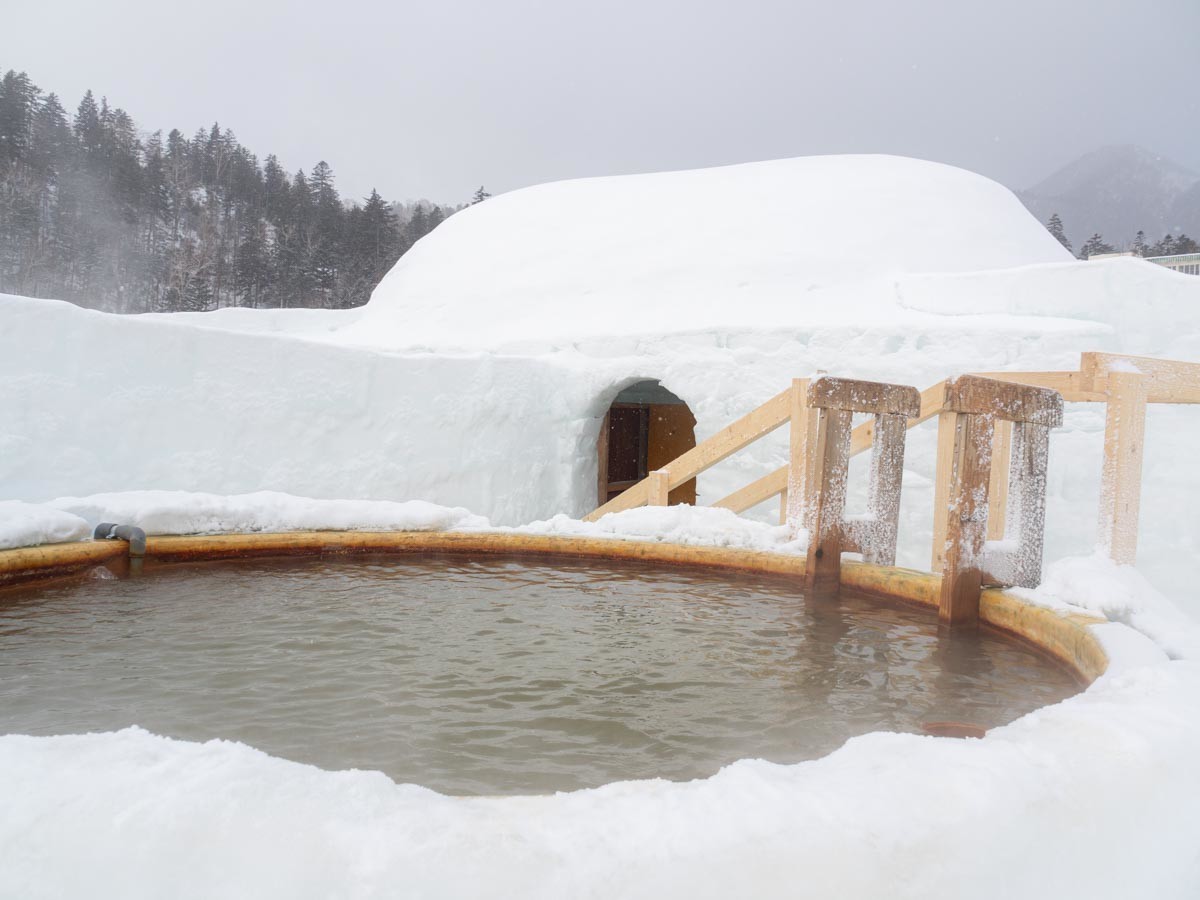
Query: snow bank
(29, 524)
(183, 512)
(1121, 594)
(706, 526)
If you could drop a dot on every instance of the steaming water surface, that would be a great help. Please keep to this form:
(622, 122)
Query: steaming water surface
(495, 676)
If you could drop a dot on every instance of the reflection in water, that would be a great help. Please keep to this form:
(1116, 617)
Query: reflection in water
(495, 676)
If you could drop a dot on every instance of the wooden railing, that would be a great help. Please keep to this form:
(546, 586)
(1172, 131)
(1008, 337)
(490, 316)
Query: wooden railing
(992, 433)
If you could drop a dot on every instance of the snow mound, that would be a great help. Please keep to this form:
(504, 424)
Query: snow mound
(1121, 594)
(702, 526)
(1091, 797)
(186, 512)
(29, 524)
(693, 249)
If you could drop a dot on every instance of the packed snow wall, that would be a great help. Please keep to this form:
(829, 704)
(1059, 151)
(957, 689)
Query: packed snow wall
(92, 402)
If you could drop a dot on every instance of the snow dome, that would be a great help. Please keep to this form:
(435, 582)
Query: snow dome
(747, 244)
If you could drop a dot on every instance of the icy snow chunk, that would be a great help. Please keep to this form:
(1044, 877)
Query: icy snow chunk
(30, 524)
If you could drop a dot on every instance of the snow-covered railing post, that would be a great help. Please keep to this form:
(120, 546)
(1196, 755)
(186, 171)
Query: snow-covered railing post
(967, 427)
(832, 403)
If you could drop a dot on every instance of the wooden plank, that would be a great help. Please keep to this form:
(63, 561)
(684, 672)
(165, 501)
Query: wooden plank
(1168, 380)
(729, 440)
(966, 524)
(825, 502)
(864, 396)
(724, 443)
(1121, 477)
(801, 435)
(756, 491)
(943, 470)
(998, 486)
(1004, 399)
(656, 489)
(628, 499)
(1075, 387)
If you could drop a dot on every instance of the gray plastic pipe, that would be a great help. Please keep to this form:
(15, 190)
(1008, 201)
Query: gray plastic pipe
(107, 531)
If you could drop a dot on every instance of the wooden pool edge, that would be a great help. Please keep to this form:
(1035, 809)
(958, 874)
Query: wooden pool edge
(1064, 636)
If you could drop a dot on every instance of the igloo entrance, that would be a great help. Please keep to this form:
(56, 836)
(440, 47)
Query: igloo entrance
(645, 428)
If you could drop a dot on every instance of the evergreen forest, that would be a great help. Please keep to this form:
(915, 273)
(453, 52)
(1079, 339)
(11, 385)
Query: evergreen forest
(98, 213)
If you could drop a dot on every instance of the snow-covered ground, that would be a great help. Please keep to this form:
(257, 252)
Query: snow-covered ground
(477, 379)
(1095, 797)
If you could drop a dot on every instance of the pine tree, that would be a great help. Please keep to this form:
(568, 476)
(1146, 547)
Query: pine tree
(1095, 245)
(51, 146)
(326, 241)
(377, 241)
(1165, 246)
(479, 196)
(1139, 243)
(253, 269)
(1184, 244)
(1055, 227)
(87, 125)
(18, 100)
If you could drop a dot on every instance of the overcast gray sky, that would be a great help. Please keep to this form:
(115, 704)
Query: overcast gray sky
(433, 99)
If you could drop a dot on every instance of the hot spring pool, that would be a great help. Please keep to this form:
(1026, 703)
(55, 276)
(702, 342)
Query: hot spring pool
(495, 676)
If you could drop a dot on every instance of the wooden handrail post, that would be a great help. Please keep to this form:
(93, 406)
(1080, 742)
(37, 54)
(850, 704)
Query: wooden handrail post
(972, 408)
(825, 503)
(832, 403)
(658, 488)
(1121, 478)
(878, 543)
(947, 431)
(798, 445)
(1027, 490)
(965, 517)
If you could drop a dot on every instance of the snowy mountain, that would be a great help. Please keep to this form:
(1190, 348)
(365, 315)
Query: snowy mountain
(1117, 191)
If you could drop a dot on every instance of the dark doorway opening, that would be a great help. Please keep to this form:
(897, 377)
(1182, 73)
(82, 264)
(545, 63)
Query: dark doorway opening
(645, 428)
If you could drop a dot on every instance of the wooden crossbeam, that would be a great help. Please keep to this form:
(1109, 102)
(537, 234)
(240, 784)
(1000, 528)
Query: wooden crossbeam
(1167, 380)
(1007, 400)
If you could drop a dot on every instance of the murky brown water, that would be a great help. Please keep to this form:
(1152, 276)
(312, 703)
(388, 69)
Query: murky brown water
(495, 676)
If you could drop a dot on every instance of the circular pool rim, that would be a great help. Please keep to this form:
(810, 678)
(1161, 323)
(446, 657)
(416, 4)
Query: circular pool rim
(1065, 637)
